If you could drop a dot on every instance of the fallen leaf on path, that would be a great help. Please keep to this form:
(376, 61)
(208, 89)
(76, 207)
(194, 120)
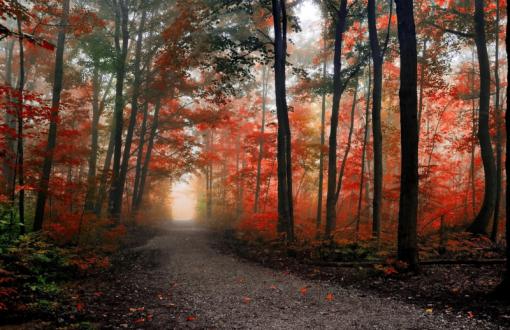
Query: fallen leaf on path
(273, 287)
(429, 310)
(191, 318)
(246, 300)
(303, 290)
(330, 297)
(140, 320)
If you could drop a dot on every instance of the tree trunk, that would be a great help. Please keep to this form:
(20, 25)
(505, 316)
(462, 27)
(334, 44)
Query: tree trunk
(504, 288)
(121, 23)
(349, 142)
(134, 112)
(499, 148)
(146, 163)
(265, 78)
(94, 145)
(10, 121)
(363, 153)
(101, 195)
(285, 204)
(323, 138)
(19, 152)
(481, 222)
(52, 134)
(407, 222)
(139, 157)
(378, 59)
(337, 61)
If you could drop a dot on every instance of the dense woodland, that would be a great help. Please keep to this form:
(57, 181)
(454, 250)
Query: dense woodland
(305, 122)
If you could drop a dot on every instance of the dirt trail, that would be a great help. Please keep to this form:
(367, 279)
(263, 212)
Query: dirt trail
(212, 290)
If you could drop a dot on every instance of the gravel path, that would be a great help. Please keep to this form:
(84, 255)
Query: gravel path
(213, 290)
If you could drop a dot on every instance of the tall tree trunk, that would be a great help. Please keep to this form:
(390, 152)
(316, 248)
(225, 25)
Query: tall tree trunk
(504, 287)
(139, 157)
(378, 60)
(349, 142)
(363, 153)
(101, 194)
(121, 23)
(265, 78)
(94, 145)
(481, 222)
(320, 194)
(499, 148)
(332, 158)
(52, 134)
(148, 155)
(134, 112)
(407, 222)
(285, 204)
(10, 121)
(19, 168)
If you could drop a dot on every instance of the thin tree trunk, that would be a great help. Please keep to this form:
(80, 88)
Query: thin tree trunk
(19, 114)
(10, 120)
(265, 78)
(134, 112)
(332, 159)
(378, 60)
(349, 142)
(52, 134)
(505, 285)
(101, 195)
(323, 137)
(121, 23)
(407, 222)
(94, 145)
(481, 222)
(139, 157)
(499, 148)
(285, 204)
(148, 155)
(363, 154)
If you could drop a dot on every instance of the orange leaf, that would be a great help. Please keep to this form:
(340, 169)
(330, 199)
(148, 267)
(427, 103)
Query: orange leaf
(330, 297)
(303, 290)
(191, 318)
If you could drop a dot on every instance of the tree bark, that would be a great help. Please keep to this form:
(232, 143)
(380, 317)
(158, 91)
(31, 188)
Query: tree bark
(52, 134)
(323, 138)
(148, 155)
(363, 153)
(349, 142)
(499, 148)
(121, 23)
(332, 158)
(19, 168)
(481, 221)
(101, 195)
(94, 144)
(505, 285)
(407, 222)
(134, 112)
(10, 121)
(285, 204)
(265, 78)
(139, 157)
(378, 60)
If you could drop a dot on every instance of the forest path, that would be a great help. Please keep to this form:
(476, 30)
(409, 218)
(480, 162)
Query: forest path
(213, 290)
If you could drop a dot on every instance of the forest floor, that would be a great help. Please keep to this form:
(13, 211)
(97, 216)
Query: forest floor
(185, 278)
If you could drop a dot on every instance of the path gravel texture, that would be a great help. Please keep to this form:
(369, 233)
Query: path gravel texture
(217, 291)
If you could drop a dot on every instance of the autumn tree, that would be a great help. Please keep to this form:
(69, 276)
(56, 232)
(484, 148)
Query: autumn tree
(407, 223)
